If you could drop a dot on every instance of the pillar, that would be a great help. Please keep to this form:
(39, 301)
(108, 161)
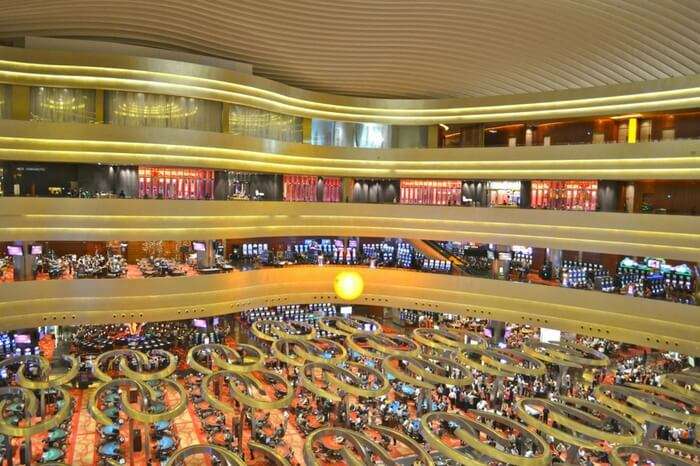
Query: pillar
(20, 103)
(554, 256)
(99, 106)
(498, 331)
(23, 265)
(225, 122)
(205, 259)
(432, 137)
(608, 196)
(347, 188)
(306, 130)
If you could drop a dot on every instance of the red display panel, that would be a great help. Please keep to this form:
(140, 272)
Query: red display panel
(176, 183)
(564, 195)
(431, 192)
(304, 188)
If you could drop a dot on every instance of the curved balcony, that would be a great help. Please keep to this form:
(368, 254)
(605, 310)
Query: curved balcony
(643, 322)
(109, 144)
(46, 219)
(142, 74)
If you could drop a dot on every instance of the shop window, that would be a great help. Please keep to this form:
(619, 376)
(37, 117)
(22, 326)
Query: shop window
(564, 195)
(253, 122)
(304, 188)
(299, 188)
(61, 105)
(162, 111)
(431, 192)
(175, 183)
(343, 134)
(503, 193)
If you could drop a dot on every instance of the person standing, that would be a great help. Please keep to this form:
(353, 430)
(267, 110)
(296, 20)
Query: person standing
(285, 419)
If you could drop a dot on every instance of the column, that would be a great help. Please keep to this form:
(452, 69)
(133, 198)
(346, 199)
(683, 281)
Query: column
(554, 256)
(432, 137)
(23, 264)
(205, 259)
(225, 125)
(20, 103)
(306, 130)
(498, 331)
(608, 196)
(99, 106)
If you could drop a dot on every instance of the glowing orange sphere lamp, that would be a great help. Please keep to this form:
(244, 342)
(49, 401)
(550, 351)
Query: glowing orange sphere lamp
(348, 285)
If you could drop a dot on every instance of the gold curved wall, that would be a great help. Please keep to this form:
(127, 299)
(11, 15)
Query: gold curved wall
(115, 72)
(110, 144)
(650, 323)
(45, 219)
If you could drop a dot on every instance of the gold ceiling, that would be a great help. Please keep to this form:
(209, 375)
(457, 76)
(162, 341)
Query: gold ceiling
(398, 48)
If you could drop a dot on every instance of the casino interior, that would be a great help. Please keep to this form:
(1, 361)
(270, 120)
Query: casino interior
(349, 233)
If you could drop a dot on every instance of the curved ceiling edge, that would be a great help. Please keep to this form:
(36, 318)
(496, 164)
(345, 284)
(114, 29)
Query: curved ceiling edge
(635, 321)
(115, 72)
(46, 219)
(115, 145)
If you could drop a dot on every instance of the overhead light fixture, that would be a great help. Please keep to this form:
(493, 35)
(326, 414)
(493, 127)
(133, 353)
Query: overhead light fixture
(493, 131)
(444, 126)
(625, 117)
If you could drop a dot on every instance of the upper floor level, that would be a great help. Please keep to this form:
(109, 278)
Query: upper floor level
(107, 88)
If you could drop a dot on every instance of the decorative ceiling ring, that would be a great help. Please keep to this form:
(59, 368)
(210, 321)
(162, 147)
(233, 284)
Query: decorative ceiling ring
(469, 431)
(449, 340)
(674, 449)
(242, 358)
(29, 399)
(648, 404)
(378, 346)
(620, 456)
(297, 352)
(491, 361)
(579, 422)
(156, 375)
(346, 326)
(683, 383)
(225, 456)
(566, 353)
(110, 357)
(347, 378)
(242, 386)
(271, 330)
(27, 431)
(148, 395)
(45, 381)
(358, 449)
(432, 370)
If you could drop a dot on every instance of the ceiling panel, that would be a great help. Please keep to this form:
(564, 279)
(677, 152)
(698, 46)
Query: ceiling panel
(399, 48)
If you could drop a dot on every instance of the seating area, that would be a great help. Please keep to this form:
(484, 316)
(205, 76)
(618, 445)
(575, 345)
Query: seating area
(160, 267)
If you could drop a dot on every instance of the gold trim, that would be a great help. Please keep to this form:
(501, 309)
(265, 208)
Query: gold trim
(80, 69)
(568, 413)
(468, 432)
(45, 219)
(617, 457)
(248, 379)
(48, 424)
(601, 315)
(649, 404)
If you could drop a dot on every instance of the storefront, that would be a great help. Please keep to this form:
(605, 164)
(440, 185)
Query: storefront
(564, 195)
(304, 188)
(176, 183)
(504, 193)
(431, 192)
